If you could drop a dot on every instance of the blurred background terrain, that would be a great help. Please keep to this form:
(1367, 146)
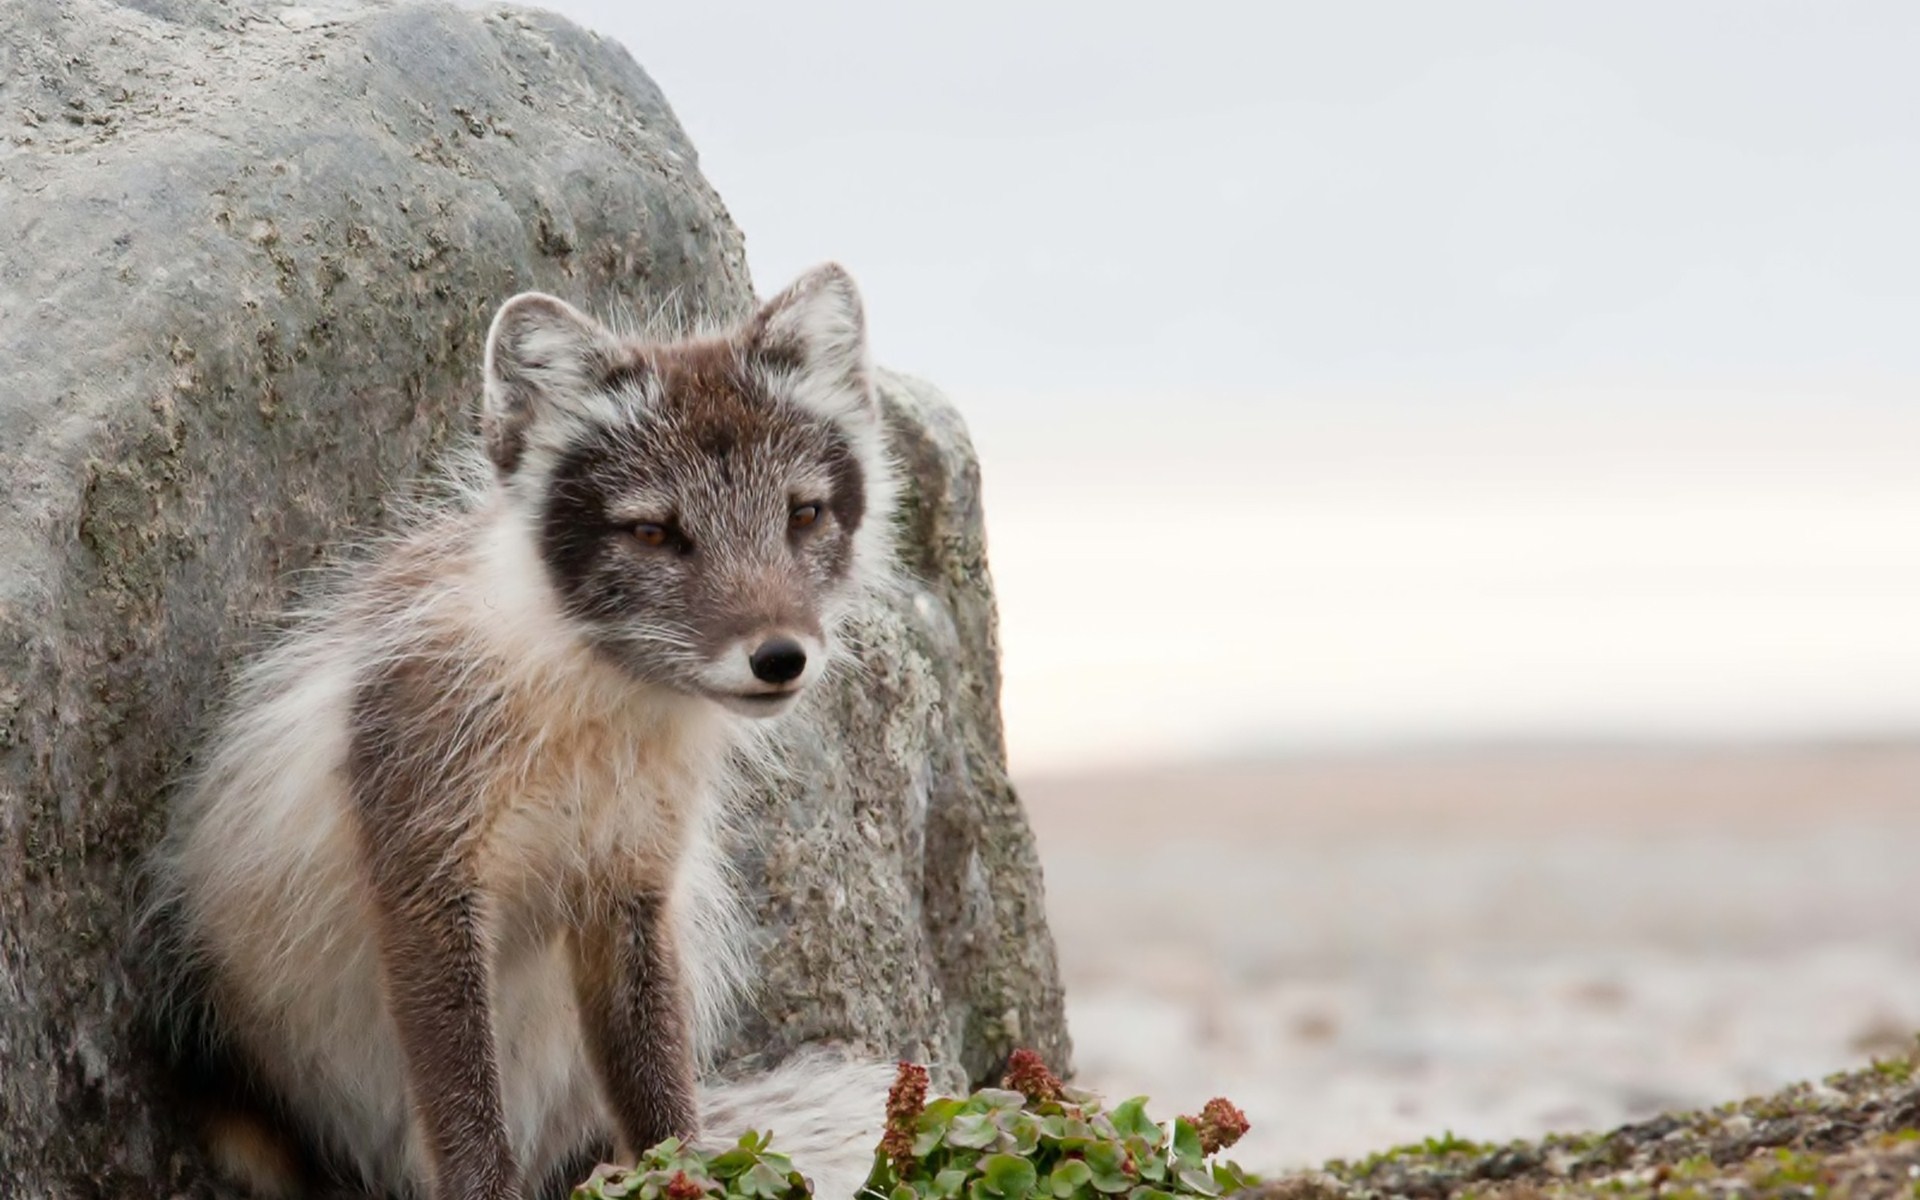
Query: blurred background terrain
(1368, 950)
(1454, 489)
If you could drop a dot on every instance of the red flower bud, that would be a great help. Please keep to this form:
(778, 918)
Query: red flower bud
(1220, 1124)
(905, 1100)
(1028, 1075)
(682, 1188)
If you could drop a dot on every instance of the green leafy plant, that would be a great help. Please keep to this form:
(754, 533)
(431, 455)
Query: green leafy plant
(1033, 1138)
(672, 1171)
(1036, 1139)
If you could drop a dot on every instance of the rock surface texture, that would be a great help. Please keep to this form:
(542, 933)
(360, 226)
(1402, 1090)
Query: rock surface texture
(252, 256)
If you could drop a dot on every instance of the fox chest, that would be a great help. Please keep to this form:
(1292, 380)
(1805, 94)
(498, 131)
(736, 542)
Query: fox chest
(587, 808)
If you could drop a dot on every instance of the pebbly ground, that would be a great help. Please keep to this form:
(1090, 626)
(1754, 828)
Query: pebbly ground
(1369, 952)
(1851, 1136)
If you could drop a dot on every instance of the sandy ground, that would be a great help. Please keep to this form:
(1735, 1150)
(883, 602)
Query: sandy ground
(1371, 950)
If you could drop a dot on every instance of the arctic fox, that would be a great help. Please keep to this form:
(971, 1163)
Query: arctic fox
(448, 912)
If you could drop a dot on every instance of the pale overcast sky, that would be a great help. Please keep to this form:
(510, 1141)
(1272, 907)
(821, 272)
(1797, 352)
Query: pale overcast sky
(1257, 196)
(1378, 372)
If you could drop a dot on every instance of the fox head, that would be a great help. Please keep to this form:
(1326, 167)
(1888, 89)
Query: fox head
(707, 510)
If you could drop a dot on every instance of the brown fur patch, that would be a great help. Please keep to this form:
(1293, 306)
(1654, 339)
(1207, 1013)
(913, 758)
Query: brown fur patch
(416, 808)
(634, 1008)
(248, 1151)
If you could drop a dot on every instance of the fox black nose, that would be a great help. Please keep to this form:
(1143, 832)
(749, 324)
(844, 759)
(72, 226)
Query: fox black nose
(778, 660)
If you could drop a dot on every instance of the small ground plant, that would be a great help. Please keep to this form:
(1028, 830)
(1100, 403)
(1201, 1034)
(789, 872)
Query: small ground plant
(1035, 1139)
(1031, 1139)
(672, 1171)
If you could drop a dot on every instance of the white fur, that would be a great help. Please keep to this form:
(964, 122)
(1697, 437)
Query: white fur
(550, 349)
(821, 313)
(730, 674)
(264, 872)
(263, 855)
(835, 1113)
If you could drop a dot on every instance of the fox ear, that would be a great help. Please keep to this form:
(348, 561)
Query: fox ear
(544, 357)
(815, 332)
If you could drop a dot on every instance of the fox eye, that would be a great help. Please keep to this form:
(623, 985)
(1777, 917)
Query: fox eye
(649, 534)
(803, 515)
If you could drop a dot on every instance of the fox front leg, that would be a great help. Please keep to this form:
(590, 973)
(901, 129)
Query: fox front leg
(634, 1010)
(434, 961)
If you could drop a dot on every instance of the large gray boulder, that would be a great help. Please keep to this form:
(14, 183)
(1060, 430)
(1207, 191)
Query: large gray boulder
(251, 256)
